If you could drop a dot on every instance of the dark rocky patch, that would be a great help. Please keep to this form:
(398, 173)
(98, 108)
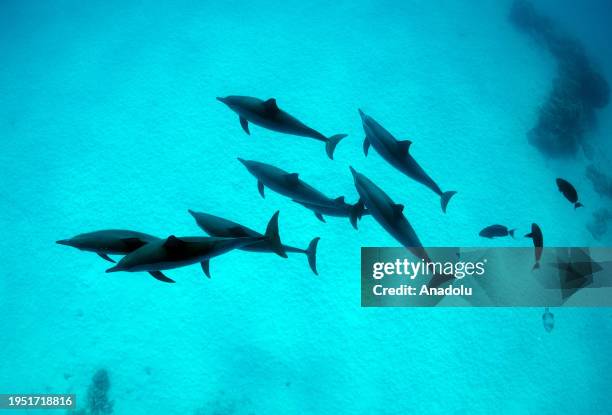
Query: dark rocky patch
(578, 90)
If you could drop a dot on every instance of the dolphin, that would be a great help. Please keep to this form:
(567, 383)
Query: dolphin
(398, 155)
(538, 243)
(290, 185)
(174, 252)
(220, 227)
(389, 214)
(111, 241)
(267, 114)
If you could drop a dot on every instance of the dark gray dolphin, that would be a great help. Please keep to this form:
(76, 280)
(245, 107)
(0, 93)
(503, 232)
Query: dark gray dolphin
(174, 252)
(569, 191)
(221, 227)
(538, 243)
(290, 185)
(109, 242)
(397, 153)
(389, 214)
(267, 114)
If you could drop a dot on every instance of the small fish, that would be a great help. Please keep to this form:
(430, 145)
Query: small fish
(538, 242)
(548, 319)
(495, 231)
(569, 192)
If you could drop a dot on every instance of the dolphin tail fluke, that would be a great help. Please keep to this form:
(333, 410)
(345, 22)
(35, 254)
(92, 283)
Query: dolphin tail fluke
(311, 254)
(511, 233)
(536, 266)
(331, 143)
(577, 205)
(445, 198)
(273, 237)
(356, 212)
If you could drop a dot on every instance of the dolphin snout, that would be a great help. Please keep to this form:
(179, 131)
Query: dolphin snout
(243, 161)
(114, 269)
(362, 114)
(221, 99)
(64, 242)
(354, 172)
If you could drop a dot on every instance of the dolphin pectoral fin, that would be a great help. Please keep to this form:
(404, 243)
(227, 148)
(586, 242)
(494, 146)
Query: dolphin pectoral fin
(206, 267)
(106, 257)
(260, 188)
(404, 146)
(366, 146)
(245, 125)
(356, 212)
(320, 217)
(158, 275)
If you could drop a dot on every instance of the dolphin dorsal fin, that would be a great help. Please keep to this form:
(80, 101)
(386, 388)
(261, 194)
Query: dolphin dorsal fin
(339, 199)
(293, 178)
(404, 146)
(173, 242)
(271, 106)
(398, 209)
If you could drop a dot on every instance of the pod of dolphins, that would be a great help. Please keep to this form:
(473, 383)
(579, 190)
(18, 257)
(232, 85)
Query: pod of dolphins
(147, 253)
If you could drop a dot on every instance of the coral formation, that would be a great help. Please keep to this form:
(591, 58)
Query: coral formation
(602, 183)
(578, 90)
(598, 226)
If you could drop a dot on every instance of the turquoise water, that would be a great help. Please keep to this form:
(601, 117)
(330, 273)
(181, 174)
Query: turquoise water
(108, 119)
